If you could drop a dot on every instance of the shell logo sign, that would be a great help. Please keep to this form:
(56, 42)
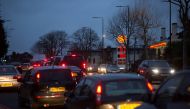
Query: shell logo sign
(121, 39)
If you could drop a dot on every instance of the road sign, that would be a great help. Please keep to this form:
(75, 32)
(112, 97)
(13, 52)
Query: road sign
(121, 39)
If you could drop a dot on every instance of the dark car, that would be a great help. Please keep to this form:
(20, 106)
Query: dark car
(174, 93)
(110, 91)
(45, 86)
(155, 70)
(77, 73)
(74, 60)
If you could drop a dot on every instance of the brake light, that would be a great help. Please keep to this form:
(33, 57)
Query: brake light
(38, 76)
(84, 65)
(73, 55)
(150, 87)
(141, 71)
(98, 94)
(63, 65)
(99, 89)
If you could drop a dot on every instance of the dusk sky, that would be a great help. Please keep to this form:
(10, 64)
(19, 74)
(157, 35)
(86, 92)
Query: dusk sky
(30, 19)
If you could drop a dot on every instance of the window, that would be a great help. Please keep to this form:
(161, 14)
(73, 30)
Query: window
(119, 88)
(7, 71)
(171, 86)
(78, 87)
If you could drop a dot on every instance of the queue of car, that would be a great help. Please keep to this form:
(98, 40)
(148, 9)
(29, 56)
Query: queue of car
(70, 86)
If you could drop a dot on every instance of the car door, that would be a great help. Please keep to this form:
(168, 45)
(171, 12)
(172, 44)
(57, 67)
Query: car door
(182, 97)
(72, 102)
(165, 94)
(82, 98)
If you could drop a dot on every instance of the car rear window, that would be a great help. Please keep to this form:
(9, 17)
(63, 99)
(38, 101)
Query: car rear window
(57, 75)
(158, 64)
(122, 87)
(7, 71)
(72, 60)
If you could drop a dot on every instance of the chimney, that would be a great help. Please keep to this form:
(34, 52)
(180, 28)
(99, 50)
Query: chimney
(174, 32)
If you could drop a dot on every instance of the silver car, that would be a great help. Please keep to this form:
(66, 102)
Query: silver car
(9, 76)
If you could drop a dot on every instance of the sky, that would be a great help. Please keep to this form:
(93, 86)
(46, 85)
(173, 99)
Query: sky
(27, 20)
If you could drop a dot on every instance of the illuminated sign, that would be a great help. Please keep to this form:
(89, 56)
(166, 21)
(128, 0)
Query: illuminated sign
(121, 39)
(158, 45)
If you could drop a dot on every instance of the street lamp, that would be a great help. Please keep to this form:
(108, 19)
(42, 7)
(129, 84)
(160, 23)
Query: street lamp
(102, 19)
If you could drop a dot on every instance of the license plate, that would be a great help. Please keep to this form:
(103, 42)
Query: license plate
(6, 85)
(57, 89)
(129, 106)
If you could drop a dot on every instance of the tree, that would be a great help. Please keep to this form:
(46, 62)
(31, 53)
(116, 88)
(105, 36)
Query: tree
(184, 16)
(124, 23)
(146, 21)
(85, 40)
(137, 23)
(51, 44)
(3, 40)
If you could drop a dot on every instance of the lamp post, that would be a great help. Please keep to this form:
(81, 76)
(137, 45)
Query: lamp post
(102, 20)
(102, 43)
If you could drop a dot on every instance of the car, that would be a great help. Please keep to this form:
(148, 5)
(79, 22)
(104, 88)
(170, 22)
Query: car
(110, 91)
(26, 66)
(174, 93)
(45, 86)
(108, 68)
(155, 70)
(77, 73)
(74, 60)
(8, 77)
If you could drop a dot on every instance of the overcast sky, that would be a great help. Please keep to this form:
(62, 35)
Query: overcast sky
(30, 19)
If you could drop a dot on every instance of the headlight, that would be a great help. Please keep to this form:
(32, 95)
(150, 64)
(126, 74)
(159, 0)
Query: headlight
(172, 71)
(155, 71)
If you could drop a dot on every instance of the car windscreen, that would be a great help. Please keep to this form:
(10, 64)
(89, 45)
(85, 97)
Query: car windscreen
(7, 71)
(158, 64)
(123, 87)
(55, 75)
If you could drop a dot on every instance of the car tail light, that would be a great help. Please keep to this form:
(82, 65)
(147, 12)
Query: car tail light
(150, 87)
(141, 71)
(38, 76)
(84, 65)
(17, 77)
(98, 94)
(63, 65)
(73, 55)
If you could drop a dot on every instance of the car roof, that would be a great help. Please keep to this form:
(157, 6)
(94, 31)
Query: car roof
(114, 76)
(7, 66)
(49, 67)
(156, 60)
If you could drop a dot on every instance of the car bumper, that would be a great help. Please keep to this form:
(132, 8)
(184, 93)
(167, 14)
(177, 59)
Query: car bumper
(51, 101)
